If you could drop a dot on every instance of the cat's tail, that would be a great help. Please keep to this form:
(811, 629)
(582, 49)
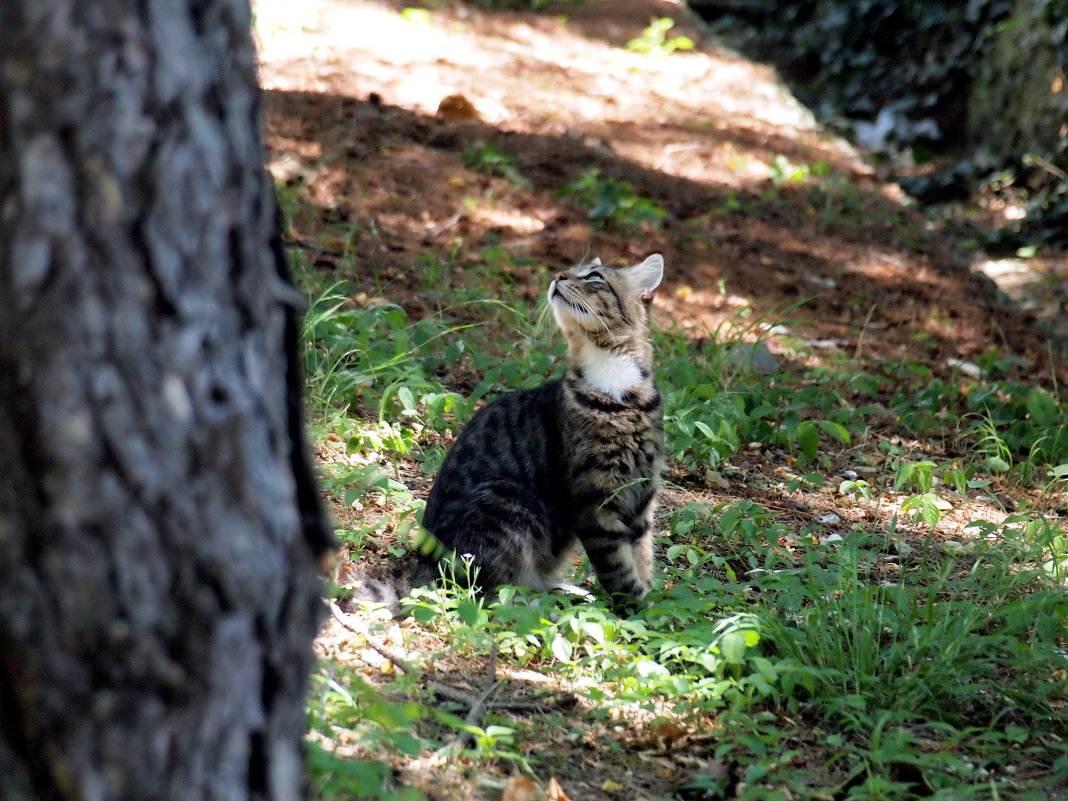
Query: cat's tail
(388, 585)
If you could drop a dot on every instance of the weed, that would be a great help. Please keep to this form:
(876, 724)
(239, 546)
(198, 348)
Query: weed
(924, 507)
(857, 488)
(495, 161)
(917, 476)
(612, 201)
(339, 697)
(654, 39)
(934, 671)
(922, 649)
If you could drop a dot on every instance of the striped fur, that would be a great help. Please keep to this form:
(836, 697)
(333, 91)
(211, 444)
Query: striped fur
(573, 460)
(578, 458)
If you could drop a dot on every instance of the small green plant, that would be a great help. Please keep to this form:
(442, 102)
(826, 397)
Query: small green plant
(924, 507)
(415, 15)
(654, 39)
(857, 488)
(917, 476)
(992, 445)
(612, 201)
(1001, 427)
(340, 696)
(808, 435)
(496, 161)
(783, 171)
(862, 647)
(336, 777)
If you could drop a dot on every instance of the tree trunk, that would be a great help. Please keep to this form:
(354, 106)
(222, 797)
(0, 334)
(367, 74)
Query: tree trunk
(159, 527)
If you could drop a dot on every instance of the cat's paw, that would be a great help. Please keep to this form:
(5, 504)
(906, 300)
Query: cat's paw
(573, 590)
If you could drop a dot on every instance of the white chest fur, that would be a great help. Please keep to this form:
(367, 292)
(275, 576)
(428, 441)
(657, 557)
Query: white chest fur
(611, 373)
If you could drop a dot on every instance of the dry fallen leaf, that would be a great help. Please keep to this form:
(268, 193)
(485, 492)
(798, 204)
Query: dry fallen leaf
(519, 788)
(667, 733)
(555, 792)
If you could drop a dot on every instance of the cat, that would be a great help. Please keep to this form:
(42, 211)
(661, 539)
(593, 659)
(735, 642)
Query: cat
(575, 460)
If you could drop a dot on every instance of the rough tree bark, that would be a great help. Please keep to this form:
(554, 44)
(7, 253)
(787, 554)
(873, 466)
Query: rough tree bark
(159, 528)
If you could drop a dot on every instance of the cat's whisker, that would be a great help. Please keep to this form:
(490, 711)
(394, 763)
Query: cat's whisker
(577, 459)
(587, 306)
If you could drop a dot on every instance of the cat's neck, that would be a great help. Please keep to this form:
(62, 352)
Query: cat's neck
(615, 373)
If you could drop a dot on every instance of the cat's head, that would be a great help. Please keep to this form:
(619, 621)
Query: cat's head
(608, 306)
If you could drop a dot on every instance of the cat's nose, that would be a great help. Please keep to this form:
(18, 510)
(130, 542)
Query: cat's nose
(560, 277)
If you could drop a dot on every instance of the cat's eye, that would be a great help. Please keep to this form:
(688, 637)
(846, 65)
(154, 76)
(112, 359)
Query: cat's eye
(594, 277)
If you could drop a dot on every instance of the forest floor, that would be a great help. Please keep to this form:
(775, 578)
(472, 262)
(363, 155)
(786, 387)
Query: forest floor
(439, 158)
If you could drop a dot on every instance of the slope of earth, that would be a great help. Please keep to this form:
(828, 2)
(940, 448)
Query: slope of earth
(371, 112)
(442, 159)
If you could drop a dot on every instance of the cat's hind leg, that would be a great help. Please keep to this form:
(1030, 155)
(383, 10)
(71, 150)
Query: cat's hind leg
(503, 533)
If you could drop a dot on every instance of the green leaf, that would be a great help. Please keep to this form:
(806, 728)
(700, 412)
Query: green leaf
(407, 399)
(996, 464)
(1042, 407)
(469, 612)
(423, 614)
(562, 649)
(647, 668)
(711, 662)
(593, 630)
(1060, 471)
(930, 514)
(836, 430)
(732, 647)
(704, 429)
(407, 744)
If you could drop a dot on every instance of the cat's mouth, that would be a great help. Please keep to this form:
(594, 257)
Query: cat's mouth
(555, 292)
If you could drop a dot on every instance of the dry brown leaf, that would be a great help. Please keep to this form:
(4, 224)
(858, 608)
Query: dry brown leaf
(520, 788)
(555, 792)
(667, 733)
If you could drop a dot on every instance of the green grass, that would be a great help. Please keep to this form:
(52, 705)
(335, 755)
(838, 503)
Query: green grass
(612, 201)
(812, 670)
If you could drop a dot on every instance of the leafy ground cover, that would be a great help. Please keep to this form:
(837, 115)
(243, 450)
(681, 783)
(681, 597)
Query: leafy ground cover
(862, 556)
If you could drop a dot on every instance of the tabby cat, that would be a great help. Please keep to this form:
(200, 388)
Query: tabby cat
(578, 458)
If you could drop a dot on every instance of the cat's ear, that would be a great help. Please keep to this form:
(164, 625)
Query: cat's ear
(647, 276)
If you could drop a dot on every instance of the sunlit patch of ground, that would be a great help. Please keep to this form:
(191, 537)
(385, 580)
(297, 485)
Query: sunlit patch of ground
(354, 90)
(773, 229)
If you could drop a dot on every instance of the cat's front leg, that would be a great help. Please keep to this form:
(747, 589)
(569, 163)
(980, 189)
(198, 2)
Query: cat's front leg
(643, 557)
(622, 560)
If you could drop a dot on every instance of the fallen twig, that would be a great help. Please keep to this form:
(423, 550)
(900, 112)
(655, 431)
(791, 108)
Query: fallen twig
(389, 653)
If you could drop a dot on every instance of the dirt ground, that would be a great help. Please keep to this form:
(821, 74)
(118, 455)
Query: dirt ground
(373, 112)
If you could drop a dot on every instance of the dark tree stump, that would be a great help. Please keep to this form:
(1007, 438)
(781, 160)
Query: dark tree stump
(159, 526)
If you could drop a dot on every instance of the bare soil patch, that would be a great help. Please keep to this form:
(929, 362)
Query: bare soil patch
(355, 124)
